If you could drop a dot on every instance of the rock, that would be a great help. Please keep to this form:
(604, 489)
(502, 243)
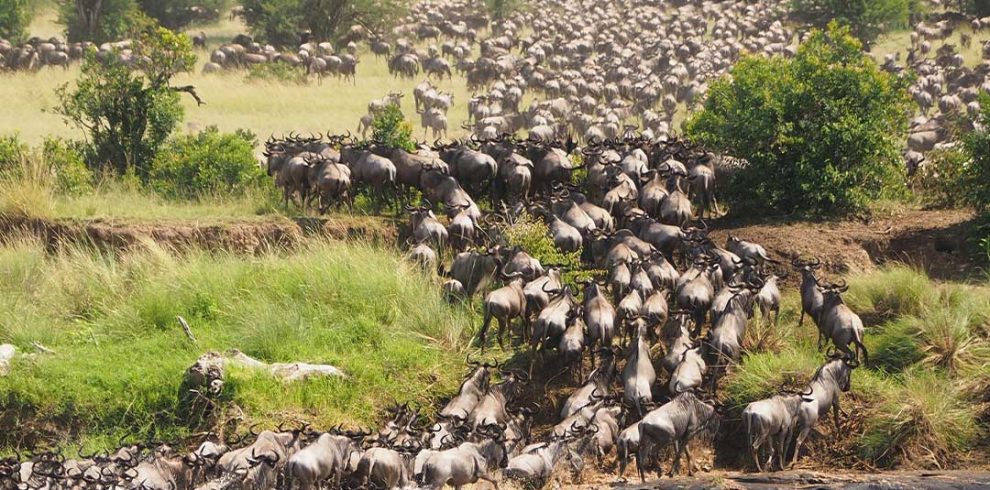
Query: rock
(286, 371)
(7, 353)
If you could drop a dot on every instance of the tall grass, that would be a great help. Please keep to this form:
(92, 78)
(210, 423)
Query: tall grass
(924, 421)
(120, 355)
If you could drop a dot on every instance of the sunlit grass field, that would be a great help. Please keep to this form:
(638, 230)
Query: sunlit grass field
(232, 102)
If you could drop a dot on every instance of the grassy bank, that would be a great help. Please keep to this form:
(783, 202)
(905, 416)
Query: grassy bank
(120, 354)
(920, 402)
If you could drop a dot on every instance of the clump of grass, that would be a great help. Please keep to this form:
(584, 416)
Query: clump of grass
(924, 421)
(111, 319)
(895, 347)
(894, 291)
(763, 374)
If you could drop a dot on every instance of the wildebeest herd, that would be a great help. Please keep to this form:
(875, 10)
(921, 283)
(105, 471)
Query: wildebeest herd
(665, 287)
(647, 326)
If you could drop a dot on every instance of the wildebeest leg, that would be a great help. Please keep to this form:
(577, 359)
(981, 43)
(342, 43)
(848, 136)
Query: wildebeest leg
(802, 435)
(678, 450)
(801, 320)
(782, 439)
(501, 332)
(835, 412)
(776, 315)
(690, 460)
(488, 478)
(754, 448)
(484, 329)
(641, 454)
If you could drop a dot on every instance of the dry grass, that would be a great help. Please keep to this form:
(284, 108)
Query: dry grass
(231, 101)
(900, 41)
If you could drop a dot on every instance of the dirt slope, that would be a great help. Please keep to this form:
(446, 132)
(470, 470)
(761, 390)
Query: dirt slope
(938, 241)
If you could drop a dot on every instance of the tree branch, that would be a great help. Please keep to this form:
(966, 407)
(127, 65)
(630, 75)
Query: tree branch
(191, 90)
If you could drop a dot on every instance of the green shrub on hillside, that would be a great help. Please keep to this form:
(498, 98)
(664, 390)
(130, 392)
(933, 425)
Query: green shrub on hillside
(176, 14)
(822, 132)
(390, 129)
(12, 153)
(207, 163)
(288, 22)
(938, 180)
(68, 165)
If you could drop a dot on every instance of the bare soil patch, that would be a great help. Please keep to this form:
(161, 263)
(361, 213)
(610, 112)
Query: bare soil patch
(938, 241)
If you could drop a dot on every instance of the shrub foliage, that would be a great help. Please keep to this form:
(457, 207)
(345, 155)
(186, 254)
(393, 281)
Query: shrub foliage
(287, 22)
(975, 177)
(821, 131)
(15, 15)
(128, 115)
(867, 18)
(391, 130)
(208, 163)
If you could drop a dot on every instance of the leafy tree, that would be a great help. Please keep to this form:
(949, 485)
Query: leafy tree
(979, 8)
(176, 14)
(287, 22)
(390, 129)
(500, 9)
(821, 132)
(208, 163)
(867, 18)
(975, 178)
(15, 15)
(128, 114)
(101, 21)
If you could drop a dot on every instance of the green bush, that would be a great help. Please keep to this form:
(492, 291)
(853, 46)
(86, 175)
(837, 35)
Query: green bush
(976, 176)
(12, 153)
(390, 129)
(533, 236)
(281, 22)
(68, 165)
(277, 72)
(821, 132)
(937, 181)
(127, 114)
(867, 18)
(15, 17)
(176, 14)
(101, 21)
(208, 163)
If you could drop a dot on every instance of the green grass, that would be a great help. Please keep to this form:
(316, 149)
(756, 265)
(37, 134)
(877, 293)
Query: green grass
(920, 401)
(120, 354)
